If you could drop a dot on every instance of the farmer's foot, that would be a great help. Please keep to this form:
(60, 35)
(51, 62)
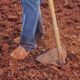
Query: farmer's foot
(20, 53)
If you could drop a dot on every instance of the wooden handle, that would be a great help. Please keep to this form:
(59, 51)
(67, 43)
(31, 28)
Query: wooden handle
(55, 27)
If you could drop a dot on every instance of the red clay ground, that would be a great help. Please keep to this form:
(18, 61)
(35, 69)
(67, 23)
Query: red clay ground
(28, 69)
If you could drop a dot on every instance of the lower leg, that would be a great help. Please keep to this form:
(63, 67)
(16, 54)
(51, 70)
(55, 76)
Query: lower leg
(40, 28)
(30, 19)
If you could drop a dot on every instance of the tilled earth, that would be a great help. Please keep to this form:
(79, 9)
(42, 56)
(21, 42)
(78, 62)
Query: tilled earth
(69, 25)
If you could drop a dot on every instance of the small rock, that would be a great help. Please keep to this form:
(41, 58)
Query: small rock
(75, 65)
(43, 50)
(5, 47)
(17, 40)
(78, 27)
(12, 18)
(72, 52)
(74, 36)
(1, 71)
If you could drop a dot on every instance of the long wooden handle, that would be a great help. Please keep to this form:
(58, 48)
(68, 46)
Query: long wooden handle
(55, 27)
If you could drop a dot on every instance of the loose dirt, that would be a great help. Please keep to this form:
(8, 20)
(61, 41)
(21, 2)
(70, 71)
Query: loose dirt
(68, 17)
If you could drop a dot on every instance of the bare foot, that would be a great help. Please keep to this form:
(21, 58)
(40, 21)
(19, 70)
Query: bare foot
(20, 53)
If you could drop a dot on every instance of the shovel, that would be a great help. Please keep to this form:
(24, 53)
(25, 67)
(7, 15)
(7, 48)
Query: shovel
(56, 56)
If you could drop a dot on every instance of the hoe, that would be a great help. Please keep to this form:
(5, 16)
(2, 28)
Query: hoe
(56, 56)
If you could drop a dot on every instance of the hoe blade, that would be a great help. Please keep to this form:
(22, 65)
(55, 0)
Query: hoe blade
(51, 57)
